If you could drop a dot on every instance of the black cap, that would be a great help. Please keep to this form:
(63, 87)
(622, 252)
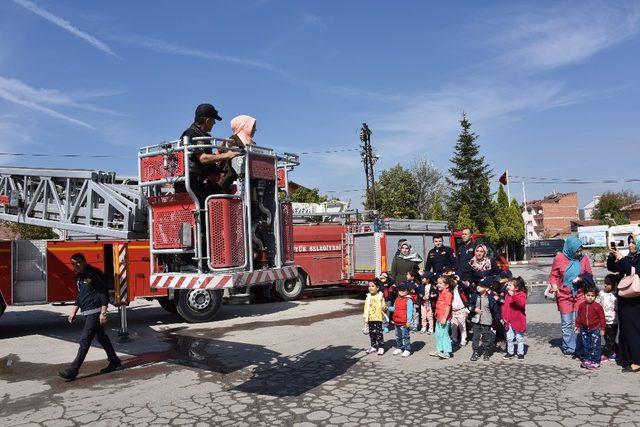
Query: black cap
(486, 282)
(403, 286)
(506, 274)
(428, 275)
(207, 111)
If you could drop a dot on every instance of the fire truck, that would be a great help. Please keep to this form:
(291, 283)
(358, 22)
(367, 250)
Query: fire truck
(153, 236)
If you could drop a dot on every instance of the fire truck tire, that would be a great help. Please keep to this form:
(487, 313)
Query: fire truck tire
(290, 290)
(168, 304)
(199, 305)
(3, 306)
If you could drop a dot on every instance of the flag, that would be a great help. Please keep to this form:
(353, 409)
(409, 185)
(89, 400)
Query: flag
(504, 178)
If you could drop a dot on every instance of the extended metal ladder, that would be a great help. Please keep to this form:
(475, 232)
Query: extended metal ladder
(76, 200)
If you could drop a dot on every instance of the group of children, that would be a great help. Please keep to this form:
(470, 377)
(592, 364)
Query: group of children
(442, 305)
(494, 307)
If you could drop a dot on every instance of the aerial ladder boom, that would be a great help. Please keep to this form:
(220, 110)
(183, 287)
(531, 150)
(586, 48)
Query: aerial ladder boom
(76, 200)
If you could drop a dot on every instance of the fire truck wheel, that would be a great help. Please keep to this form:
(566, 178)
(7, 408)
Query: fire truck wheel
(290, 290)
(168, 304)
(199, 305)
(3, 306)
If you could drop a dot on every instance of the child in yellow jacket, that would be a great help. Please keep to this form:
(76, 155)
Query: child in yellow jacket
(374, 309)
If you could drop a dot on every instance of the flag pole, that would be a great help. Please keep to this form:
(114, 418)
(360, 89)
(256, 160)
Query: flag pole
(508, 185)
(524, 203)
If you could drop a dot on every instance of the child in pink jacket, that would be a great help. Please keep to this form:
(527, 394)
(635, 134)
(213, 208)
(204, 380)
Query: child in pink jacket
(514, 316)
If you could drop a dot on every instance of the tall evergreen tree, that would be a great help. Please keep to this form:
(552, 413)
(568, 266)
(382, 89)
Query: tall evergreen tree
(464, 219)
(490, 232)
(501, 215)
(469, 178)
(516, 221)
(436, 210)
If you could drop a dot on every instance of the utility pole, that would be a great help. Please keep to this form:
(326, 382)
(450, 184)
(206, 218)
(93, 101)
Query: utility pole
(369, 159)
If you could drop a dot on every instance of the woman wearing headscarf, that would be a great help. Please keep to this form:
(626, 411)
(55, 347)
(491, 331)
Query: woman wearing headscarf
(480, 266)
(406, 260)
(243, 128)
(570, 272)
(629, 312)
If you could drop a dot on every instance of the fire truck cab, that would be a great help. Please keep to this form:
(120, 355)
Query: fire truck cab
(199, 247)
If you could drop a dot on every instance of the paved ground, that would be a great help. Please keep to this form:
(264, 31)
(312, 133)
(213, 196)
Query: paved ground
(539, 271)
(294, 364)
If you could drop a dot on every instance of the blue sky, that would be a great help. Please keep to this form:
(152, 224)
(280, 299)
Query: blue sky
(552, 88)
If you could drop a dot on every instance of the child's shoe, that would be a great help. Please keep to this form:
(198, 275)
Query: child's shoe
(380, 351)
(594, 366)
(508, 356)
(372, 350)
(604, 358)
(423, 330)
(474, 356)
(444, 355)
(434, 354)
(612, 358)
(406, 353)
(463, 343)
(521, 357)
(430, 331)
(486, 357)
(585, 364)
(397, 351)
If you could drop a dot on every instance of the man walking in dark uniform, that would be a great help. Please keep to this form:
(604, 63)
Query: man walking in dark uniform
(203, 163)
(440, 257)
(466, 251)
(92, 300)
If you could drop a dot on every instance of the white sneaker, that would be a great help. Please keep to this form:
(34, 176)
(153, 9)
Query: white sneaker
(396, 352)
(371, 350)
(380, 351)
(406, 353)
(423, 330)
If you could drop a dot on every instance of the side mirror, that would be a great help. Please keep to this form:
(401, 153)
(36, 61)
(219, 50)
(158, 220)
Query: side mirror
(186, 236)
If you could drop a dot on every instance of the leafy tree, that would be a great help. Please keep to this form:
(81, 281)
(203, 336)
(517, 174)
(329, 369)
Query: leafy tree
(469, 178)
(490, 232)
(305, 195)
(431, 183)
(436, 210)
(516, 222)
(30, 232)
(464, 219)
(397, 193)
(608, 212)
(501, 215)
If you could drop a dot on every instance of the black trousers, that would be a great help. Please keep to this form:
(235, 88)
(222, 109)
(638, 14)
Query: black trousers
(92, 328)
(481, 338)
(610, 335)
(375, 334)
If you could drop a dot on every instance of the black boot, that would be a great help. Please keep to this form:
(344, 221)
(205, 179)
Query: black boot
(69, 374)
(474, 356)
(112, 366)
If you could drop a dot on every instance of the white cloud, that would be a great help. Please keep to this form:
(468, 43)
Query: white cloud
(43, 100)
(66, 25)
(313, 20)
(175, 49)
(569, 33)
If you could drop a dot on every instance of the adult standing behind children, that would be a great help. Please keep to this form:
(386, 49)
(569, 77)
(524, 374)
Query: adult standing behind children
(405, 261)
(244, 129)
(465, 251)
(570, 272)
(479, 266)
(440, 257)
(629, 315)
(92, 300)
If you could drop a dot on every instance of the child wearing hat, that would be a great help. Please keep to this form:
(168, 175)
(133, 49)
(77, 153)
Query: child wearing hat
(486, 312)
(403, 312)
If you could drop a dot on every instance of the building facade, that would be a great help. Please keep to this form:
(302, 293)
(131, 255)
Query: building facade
(550, 217)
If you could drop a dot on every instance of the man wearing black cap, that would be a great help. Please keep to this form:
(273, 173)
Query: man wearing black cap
(203, 163)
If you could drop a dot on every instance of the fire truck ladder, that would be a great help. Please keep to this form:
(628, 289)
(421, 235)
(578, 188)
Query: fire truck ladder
(77, 200)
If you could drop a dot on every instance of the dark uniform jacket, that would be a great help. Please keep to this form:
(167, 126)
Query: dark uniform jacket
(464, 254)
(93, 291)
(195, 167)
(439, 259)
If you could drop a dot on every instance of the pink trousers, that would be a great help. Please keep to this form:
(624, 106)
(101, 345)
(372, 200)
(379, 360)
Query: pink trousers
(459, 326)
(427, 316)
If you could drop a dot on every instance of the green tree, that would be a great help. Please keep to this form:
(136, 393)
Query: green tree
(431, 182)
(501, 215)
(608, 212)
(436, 210)
(30, 232)
(464, 219)
(516, 222)
(490, 232)
(469, 178)
(397, 193)
(305, 195)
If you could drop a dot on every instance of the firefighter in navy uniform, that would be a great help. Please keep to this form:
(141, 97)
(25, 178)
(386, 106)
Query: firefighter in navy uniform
(440, 257)
(92, 300)
(466, 251)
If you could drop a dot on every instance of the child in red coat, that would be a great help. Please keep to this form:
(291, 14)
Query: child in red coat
(514, 316)
(590, 323)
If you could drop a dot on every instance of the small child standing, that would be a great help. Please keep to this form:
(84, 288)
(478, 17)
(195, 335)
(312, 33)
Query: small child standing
(402, 319)
(514, 316)
(608, 301)
(443, 317)
(459, 315)
(590, 322)
(426, 311)
(374, 307)
(486, 312)
(414, 293)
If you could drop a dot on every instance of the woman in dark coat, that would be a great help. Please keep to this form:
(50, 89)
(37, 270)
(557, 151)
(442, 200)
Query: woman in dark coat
(403, 262)
(629, 312)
